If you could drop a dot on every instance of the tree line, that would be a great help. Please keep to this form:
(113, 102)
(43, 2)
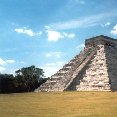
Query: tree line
(25, 80)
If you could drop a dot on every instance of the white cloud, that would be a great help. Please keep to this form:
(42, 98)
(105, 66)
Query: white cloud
(2, 69)
(72, 35)
(81, 46)
(26, 31)
(5, 67)
(48, 55)
(10, 61)
(39, 33)
(52, 68)
(106, 24)
(114, 30)
(2, 62)
(83, 22)
(55, 35)
(47, 27)
(54, 54)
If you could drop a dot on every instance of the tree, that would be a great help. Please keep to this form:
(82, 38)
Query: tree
(28, 78)
(7, 83)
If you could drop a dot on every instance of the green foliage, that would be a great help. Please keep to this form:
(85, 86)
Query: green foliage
(7, 83)
(29, 77)
(26, 79)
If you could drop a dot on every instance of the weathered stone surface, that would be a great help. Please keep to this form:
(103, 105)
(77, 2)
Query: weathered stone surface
(94, 69)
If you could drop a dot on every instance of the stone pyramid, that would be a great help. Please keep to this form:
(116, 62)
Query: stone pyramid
(94, 69)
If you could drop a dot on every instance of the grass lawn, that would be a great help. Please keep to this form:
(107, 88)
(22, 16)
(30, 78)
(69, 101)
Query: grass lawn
(66, 104)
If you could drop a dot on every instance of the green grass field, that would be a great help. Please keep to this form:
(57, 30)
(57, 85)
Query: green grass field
(66, 104)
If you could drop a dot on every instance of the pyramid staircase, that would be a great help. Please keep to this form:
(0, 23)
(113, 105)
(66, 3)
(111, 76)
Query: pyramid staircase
(89, 70)
(65, 76)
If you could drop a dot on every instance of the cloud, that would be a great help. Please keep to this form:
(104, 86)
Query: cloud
(47, 27)
(5, 66)
(48, 55)
(2, 69)
(54, 54)
(26, 31)
(55, 35)
(80, 47)
(106, 24)
(2, 62)
(72, 35)
(83, 22)
(10, 61)
(52, 68)
(114, 30)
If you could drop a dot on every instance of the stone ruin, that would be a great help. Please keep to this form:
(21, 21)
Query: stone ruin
(94, 69)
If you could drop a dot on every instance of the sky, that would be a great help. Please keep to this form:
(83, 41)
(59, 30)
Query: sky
(48, 33)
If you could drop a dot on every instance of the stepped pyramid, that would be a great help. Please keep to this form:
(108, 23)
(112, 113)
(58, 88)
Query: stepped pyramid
(94, 69)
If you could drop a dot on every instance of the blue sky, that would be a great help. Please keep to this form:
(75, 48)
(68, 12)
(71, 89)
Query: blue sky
(48, 33)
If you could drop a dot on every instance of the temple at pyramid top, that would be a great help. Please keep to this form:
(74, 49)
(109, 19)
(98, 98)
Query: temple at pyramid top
(94, 41)
(93, 69)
